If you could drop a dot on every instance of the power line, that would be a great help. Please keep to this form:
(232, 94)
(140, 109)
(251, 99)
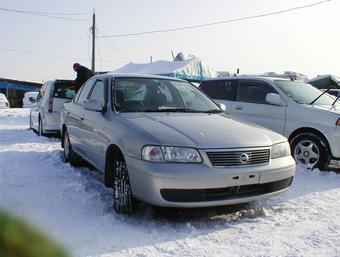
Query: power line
(49, 55)
(112, 45)
(219, 22)
(49, 15)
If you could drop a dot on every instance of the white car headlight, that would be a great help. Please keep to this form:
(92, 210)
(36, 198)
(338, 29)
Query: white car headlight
(280, 150)
(170, 154)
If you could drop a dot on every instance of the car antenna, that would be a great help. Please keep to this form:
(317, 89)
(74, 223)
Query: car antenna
(291, 78)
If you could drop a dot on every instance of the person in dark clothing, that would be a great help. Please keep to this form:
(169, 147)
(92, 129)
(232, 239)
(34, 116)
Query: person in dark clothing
(83, 74)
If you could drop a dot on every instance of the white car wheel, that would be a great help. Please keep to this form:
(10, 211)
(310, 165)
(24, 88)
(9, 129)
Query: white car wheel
(310, 151)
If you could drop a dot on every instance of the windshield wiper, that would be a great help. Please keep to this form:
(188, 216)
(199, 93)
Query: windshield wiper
(337, 96)
(214, 111)
(170, 110)
(184, 110)
(324, 92)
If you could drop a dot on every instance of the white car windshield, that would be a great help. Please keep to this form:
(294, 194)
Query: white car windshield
(157, 95)
(304, 93)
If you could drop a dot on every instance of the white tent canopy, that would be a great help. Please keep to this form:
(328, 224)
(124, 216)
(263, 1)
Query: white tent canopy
(192, 69)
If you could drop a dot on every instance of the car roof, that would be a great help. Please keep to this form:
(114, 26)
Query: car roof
(60, 80)
(136, 75)
(246, 77)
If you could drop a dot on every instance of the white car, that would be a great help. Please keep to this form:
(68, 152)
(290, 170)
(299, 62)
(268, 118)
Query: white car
(308, 117)
(29, 98)
(3, 101)
(45, 113)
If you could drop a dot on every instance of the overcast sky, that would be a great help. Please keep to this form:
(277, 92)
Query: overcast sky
(41, 40)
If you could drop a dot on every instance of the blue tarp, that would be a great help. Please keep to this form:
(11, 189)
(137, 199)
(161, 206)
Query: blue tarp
(192, 69)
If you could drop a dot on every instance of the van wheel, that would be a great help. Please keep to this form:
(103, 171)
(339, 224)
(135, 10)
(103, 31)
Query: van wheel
(40, 128)
(310, 151)
(69, 155)
(122, 193)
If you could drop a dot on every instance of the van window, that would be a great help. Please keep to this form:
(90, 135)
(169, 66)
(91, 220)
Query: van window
(64, 90)
(42, 91)
(219, 89)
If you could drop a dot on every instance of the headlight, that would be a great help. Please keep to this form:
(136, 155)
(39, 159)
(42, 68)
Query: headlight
(170, 154)
(280, 150)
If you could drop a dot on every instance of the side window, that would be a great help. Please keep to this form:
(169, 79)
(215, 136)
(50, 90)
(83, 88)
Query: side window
(219, 89)
(42, 91)
(98, 92)
(253, 91)
(82, 95)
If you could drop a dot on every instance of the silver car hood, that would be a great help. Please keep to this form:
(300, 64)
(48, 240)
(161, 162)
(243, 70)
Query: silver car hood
(202, 130)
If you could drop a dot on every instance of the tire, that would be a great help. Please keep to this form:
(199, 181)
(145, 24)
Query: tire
(122, 193)
(69, 155)
(40, 128)
(310, 151)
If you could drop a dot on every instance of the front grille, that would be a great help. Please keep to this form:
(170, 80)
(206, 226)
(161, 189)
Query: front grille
(238, 158)
(227, 193)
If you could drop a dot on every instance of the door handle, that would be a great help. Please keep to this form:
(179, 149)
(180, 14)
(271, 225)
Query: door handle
(239, 107)
(82, 117)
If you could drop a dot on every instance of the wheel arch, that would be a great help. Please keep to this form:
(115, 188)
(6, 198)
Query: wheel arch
(112, 150)
(309, 130)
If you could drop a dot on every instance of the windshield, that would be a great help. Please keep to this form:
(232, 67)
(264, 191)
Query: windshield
(304, 93)
(159, 95)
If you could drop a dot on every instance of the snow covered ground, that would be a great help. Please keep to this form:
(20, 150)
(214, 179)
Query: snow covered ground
(72, 206)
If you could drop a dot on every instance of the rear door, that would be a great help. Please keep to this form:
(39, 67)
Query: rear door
(92, 124)
(221, 91)
(250, 104)
(73, 118)
(85, 126)
(63, 91)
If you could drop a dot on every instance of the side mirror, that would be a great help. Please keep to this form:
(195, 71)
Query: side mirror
(93, 105)
(275, 99)
(222, 106)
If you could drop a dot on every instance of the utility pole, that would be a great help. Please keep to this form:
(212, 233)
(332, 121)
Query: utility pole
(93, 40)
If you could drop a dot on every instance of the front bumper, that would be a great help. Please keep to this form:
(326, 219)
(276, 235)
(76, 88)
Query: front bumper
(202, 185)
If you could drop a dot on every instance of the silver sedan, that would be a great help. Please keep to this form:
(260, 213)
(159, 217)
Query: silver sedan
(164, 142)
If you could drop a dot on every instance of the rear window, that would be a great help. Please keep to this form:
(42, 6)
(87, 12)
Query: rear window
(219, 89)
(64, 89)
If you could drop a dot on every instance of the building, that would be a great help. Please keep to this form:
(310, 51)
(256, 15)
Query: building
(15, 90)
